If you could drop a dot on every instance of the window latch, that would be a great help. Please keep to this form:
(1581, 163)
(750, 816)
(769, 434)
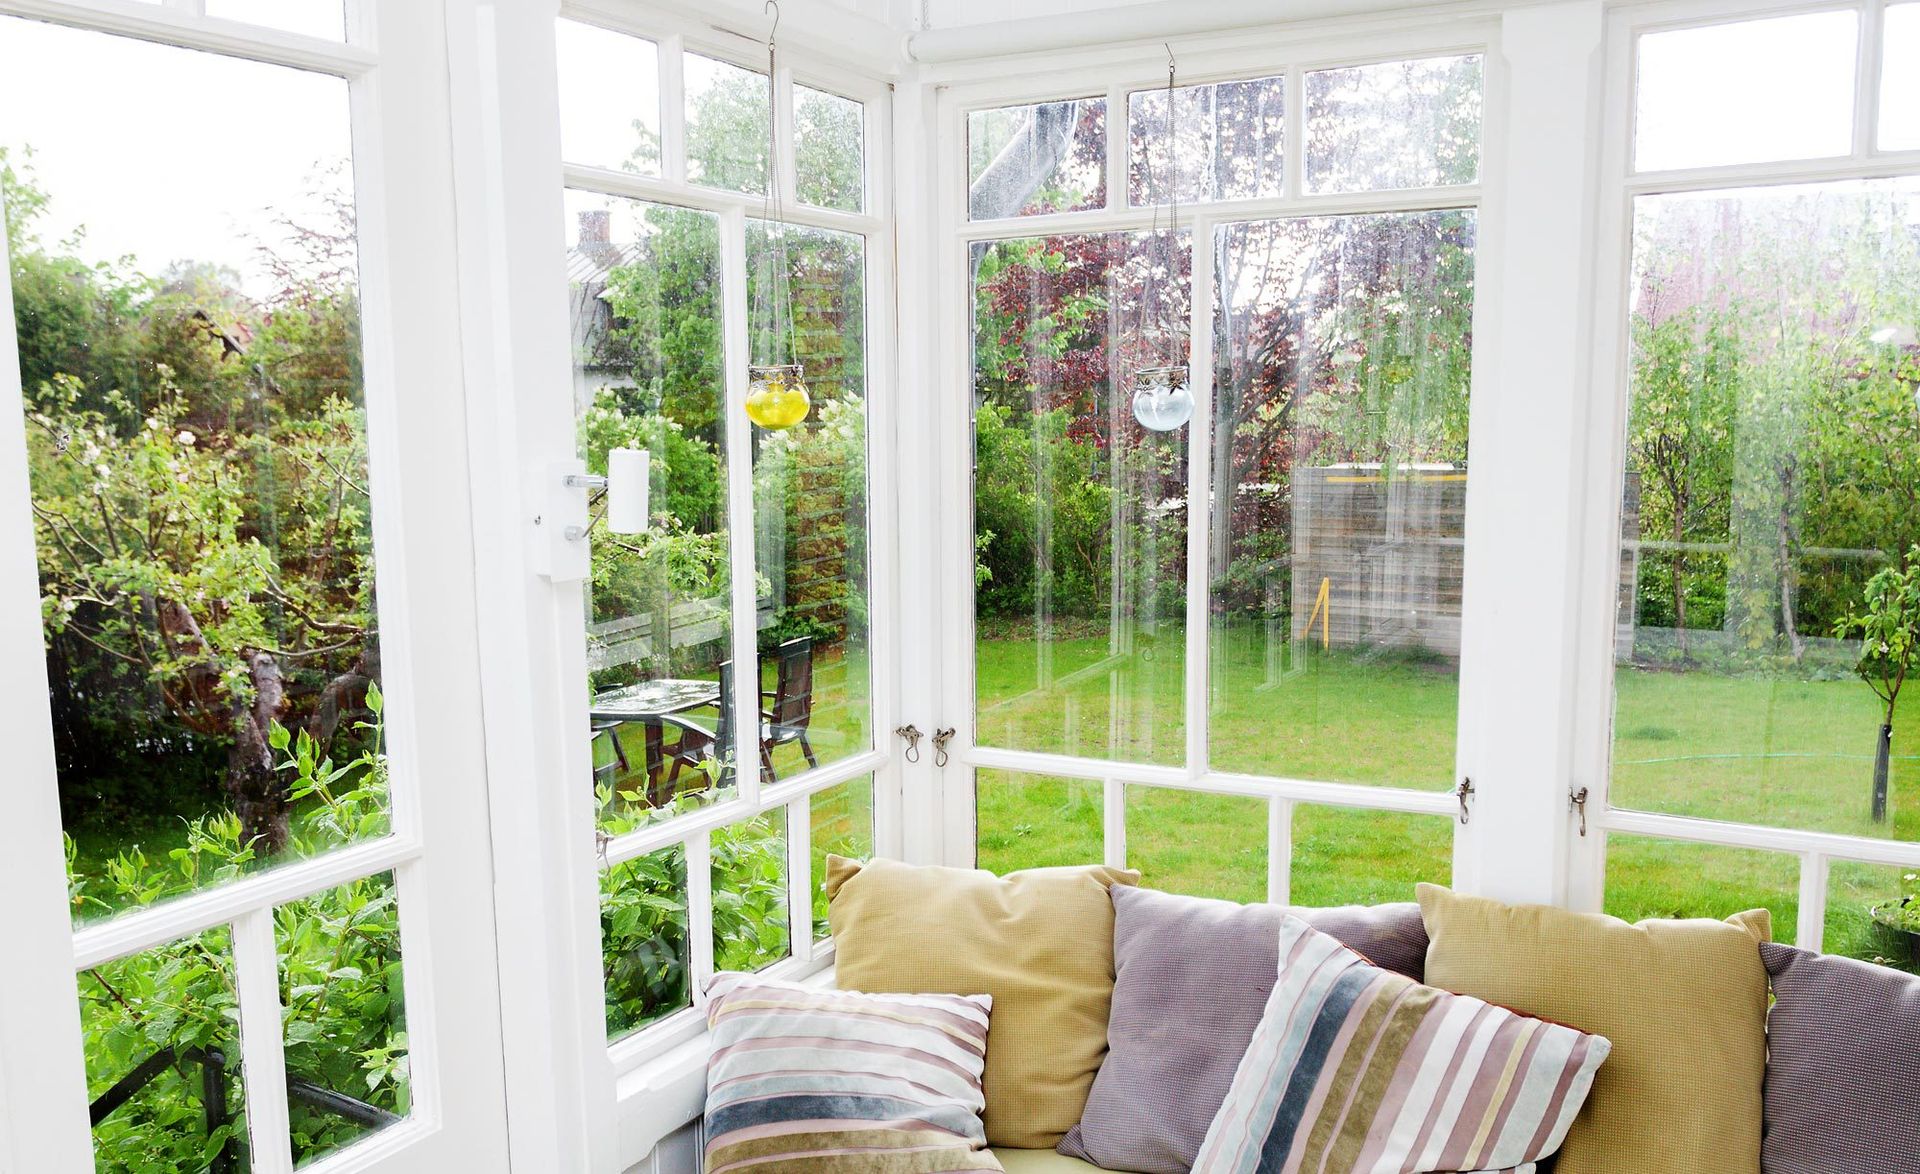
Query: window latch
(940, 739)
(911, 735)
(1577, 801)
(1464, 792)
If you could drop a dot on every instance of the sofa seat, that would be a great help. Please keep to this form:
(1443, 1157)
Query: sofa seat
(1039, 1162)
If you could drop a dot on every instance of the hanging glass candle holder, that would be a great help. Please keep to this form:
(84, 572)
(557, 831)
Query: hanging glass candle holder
(777, 396)
(1161, 401)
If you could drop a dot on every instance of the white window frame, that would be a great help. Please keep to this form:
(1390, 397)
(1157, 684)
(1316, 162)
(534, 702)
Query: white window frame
(606, 1106)
(1533, 270)
(1606, 452)
(393, 62)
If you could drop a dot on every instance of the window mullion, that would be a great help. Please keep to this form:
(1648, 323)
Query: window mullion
(1199, 489)
(1866, 78)
(700, 914)
(800, 879)
(1119, 132)
(785, 170)
(1293, 144)
(673, 110)
(256, 965)
(1113, 794)
(740, 518)
(1279, 850)
(1814, 870)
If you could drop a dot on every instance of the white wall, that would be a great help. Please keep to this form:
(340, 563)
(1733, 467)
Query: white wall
(941, 14)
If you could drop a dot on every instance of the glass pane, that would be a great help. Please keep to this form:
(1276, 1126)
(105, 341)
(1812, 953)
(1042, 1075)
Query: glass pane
(315, 18)
(1773, 452)
(1873, 913)
(750, 927)
(190, 358)
(644, 291)
(1347, 856)
(1900, 81)
(644, 951)
(1026, 160)
(841, 824)
(1746, 93)
(344, 1015)
(1226, 142)
(1079, 511)
(727, 114)
(810, 500)
(163, 1059)
(1344, 349)
(609, 98)
(830, 145)
(1400, 124)
(1199, 844)
(1649, 877)
(1036, 821)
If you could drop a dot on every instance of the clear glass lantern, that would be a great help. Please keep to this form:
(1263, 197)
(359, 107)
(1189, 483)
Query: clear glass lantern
(777, 396)
(1161, 401)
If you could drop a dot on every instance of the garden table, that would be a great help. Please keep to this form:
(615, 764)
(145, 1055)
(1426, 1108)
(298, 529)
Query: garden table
(646, 702)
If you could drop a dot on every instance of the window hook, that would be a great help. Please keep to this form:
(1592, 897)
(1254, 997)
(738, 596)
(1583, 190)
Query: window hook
(1577, 801)
(911, 734)
(940, 739)
(1464, 792)
(772, 9)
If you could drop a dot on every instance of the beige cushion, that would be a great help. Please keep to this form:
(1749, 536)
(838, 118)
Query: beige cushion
(1039, 1162)
(1040, 942)
(1684, 1002)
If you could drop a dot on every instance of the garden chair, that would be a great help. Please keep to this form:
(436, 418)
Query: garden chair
(791, 713)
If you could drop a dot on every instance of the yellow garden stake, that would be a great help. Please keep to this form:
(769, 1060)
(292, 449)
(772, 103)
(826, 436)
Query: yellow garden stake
(1323, 611)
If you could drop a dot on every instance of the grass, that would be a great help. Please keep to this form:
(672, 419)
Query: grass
(1756, 749)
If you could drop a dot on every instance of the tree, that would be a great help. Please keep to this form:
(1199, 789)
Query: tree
(1888, 625)
(200, 498)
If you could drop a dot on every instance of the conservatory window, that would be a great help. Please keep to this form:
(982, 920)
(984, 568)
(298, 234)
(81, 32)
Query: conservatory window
(1327, 624)
(1772, 447)
(1398, 124)
(1227, 142)
(1029, 160)
(714, 831)
(1714, 95)
(208, 457)
(609, 98)
(1899, 81)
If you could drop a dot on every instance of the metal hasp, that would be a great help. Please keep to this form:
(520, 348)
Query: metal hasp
(911, 735)
(940, 739)
(1464, 792)
(1577, 801)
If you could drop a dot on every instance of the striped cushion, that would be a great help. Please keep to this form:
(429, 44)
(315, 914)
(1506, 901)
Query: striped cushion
(822, 1080)
(1355, 1068)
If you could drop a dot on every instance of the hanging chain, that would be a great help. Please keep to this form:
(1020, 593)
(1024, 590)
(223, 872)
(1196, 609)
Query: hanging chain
(773, 315)
(1173, 356)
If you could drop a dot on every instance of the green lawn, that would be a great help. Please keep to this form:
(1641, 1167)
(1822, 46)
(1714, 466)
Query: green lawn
(1753, 749)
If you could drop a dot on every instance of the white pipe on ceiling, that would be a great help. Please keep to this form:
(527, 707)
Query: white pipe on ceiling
(1162, 20)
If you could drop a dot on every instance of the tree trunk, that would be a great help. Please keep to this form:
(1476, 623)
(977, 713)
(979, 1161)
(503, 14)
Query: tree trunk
(258, 794)
(1680, 574)
(1881, 758)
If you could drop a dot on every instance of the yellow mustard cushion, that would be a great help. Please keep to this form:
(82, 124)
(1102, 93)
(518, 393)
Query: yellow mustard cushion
(1684, 1002)
(1039, 941)
(1041, 1162)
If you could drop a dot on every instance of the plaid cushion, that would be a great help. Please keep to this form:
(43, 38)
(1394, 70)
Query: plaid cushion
(1843, 1066)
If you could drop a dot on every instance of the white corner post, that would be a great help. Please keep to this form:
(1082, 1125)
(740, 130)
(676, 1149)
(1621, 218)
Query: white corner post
(512, 291)
(1527, 488)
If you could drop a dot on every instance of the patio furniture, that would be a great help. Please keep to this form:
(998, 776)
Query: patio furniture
(654, 705)
(791, 714)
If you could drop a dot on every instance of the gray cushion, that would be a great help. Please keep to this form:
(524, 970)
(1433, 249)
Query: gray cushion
(1191, 979)
(1843, 1066)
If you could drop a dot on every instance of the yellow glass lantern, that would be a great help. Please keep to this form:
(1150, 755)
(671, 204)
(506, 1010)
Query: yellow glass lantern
(777, 397)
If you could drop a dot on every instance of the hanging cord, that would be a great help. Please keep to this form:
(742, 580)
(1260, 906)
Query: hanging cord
(1173, 357)
(1157, 348)
(778, 301)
